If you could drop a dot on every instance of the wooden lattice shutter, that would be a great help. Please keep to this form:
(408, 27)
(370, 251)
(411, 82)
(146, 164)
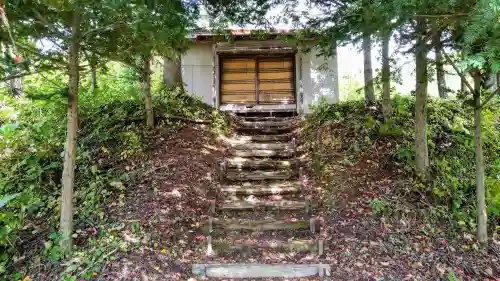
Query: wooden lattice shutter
(257, 80)
(238, 83)
(276, 85)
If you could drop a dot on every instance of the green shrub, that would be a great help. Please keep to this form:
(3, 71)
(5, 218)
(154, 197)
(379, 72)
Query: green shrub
(451, 146)
(110, 121)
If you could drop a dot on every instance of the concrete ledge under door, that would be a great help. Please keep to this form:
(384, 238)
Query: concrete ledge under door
(258, 108)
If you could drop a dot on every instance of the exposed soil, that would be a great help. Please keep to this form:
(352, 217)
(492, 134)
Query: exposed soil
(172, 201)
(170, 204)
(397, 243)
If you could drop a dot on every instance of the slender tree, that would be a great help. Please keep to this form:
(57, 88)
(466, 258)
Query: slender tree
(482, 219)
(440, 74)
(367, 52)
(162, 31)
(386, 77)
(146, 88)
(10, 51)
(68, 177)
(367, 66)
(421, 148)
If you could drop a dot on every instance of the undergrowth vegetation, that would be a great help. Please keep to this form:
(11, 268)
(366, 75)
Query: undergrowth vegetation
(32, 139)
(451, 188)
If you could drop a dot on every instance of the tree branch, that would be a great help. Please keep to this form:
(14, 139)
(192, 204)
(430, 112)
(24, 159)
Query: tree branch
(14, 76)
(489, 98)
(462, 76)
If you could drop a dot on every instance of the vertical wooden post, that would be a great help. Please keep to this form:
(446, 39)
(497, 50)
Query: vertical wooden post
(212, 206)
(308, 204)
(321, 245)
(312, 223)
(223, 170)
(209, 237)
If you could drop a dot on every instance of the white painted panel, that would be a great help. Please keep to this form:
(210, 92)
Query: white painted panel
(307, 94)
(323, 80)
(197, 71)
(202, 84)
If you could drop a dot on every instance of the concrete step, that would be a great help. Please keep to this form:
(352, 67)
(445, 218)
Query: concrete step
(263, 153)
(264, 146)
(261, 225)
(249, 188)
(246, 163)
(246, 270)
(261, 138)
(236, 175)
(264, 204)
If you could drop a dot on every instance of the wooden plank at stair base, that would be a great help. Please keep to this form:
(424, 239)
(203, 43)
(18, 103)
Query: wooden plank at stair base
(258, 175)
(293, 246)
(264, 124)
(261, 270)
(264, 138)
(261, 225)
(249, 188)
(266, 118)
(264, 146)
(262, 153)
(243, 163)
(266, 204)
(263, 131)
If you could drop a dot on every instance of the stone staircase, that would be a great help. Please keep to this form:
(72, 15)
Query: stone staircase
(265, 207)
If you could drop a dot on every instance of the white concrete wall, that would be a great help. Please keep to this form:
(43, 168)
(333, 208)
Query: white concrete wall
(319, 80)
(197, 71)
(316, 79)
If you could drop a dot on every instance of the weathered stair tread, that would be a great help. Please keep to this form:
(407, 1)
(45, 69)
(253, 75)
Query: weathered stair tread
(265, 124)
(267, 204)
(244, 270)
(299, 245)
(270, 146)
(249, 188)
(267, 118)
(266, 131)
(258, 175)
(241, 163)
(261, 225)
(262, 138)
(295, 245)
(262, 153)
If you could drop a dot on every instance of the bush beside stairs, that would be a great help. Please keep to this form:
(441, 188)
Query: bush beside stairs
(265, 206)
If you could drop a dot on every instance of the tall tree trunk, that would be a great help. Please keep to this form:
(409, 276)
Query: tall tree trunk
(482, 219)
(386, 78)
(146, 89)
(421, 149)
(16, 84)
(68, 176)
(463, 87)
(172, 73)
(367, 53)
(441, 82)
(93, 78)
